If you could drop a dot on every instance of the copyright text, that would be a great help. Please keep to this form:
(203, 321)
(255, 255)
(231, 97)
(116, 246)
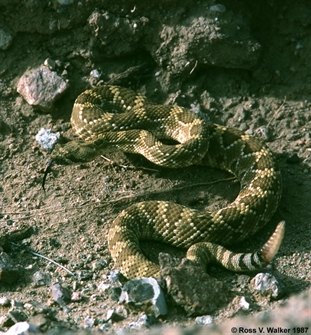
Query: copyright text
(269, 330)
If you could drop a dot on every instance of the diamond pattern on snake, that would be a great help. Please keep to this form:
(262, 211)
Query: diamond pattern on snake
(110, 118)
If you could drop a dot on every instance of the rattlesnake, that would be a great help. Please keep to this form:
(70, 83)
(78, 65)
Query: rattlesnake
(115, 118)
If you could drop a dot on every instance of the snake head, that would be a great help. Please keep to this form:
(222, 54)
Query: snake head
(74, 152)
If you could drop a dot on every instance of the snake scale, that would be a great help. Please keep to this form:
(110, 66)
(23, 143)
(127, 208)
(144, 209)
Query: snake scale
(109, 118)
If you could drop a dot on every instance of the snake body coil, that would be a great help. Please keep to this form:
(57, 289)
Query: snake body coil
(115, 118)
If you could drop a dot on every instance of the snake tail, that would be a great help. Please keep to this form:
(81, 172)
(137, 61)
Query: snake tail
(204, 253)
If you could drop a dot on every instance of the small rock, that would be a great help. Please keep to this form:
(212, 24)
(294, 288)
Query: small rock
(244, 304)
(89, 322)
(264, 133)
(22, 328)
(144, 292)
(122, 311)
(5, 39)
(243, 126)
(114, 292)
(84, 274)
(6, 321)
(35, 308)
(4, 301)
(103, 287)
(249, 132)
(8, 271)
(144, 321)
(60, 294)
(50, 63)
(29, 306)
(76, 296)
(115, 276)
(107, 179)
(41, 87)
(191, 287)
(267, 285)
(104, 327)
(47, 139)
(41, 321)
(14, 316)
(204, 320)
(41, 278)
(98, 265)
(95, 74)
(17, 304)
(113, 316)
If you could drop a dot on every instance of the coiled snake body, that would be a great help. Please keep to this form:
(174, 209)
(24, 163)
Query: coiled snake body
(115, 118)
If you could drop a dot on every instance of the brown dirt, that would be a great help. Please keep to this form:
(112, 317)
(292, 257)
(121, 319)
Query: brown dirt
(71, 219)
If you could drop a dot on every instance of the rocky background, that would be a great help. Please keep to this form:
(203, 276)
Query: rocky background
(241, 64)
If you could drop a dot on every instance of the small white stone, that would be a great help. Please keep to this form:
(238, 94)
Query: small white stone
(4, 301)
(50, 63)
(47, 139)
(95, 74)
(103, 287)
(265, 283)
(204, 320)
(244, 304)
(22, 328)
(145, 291)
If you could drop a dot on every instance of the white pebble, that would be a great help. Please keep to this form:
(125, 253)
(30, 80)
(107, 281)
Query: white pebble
(204, 320)
(47, 139)
(244, 304)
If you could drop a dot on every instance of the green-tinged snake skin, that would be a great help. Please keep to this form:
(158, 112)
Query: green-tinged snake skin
(112, 118)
